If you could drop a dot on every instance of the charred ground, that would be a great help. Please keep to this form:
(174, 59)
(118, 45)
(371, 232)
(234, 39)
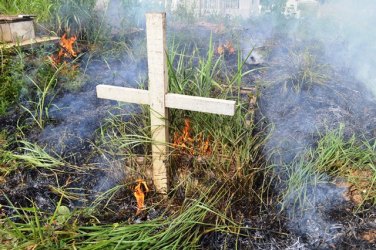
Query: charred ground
(300, 99)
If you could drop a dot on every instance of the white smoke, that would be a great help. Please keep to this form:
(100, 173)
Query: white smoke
(348, 29)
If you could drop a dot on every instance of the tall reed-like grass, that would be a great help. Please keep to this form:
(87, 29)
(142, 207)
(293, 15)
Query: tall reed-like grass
(234, 143)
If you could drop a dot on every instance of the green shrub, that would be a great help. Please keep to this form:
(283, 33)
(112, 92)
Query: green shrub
(11, 80)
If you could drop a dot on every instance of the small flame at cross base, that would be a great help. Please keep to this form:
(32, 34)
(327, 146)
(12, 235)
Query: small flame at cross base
(140, 195)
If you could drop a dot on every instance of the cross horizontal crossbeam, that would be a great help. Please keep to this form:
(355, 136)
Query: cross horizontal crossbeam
(176, 101)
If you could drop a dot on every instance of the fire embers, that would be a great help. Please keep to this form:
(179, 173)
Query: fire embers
(187, 144)
(66, 52)
(139, 192)
(225, 49)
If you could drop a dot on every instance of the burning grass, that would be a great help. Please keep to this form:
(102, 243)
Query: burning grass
(139, 192)
(204, 147)
(221, 182)
(32, 228)
(66, 50)
(215, 148)
(186, 144)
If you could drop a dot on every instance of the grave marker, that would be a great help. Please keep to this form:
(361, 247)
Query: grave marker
(159, 99)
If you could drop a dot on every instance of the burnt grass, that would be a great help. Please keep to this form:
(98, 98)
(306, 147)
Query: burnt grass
(298, 115)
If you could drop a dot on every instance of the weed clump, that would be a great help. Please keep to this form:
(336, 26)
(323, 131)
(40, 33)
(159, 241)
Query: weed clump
(11, 79)
(300, 70)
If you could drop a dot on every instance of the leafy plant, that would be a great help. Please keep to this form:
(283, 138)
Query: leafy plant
(11, 78)
(39, 113)
(6, 164)
(35, 156)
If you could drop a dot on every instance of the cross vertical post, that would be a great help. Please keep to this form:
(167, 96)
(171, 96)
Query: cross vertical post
(158, 88)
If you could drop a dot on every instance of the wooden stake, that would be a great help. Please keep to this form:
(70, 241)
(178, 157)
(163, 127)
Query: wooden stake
(158, 87)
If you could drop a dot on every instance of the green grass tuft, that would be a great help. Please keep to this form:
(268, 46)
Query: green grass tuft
(343, 161)
(30, 227)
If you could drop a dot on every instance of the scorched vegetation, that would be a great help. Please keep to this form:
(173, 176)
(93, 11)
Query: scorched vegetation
(294, 168)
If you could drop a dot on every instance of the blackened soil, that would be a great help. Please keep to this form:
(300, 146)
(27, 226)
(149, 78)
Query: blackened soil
(40, 188)
(24, 186)
(268, 230)
(297, 117)
(354, 228)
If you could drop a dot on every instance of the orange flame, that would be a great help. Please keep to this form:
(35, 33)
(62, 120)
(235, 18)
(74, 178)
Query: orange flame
(220, 49)
(140, 195)
(185, 143)
(66, 50)
(227, 48)
(230, 48)
(67, 44)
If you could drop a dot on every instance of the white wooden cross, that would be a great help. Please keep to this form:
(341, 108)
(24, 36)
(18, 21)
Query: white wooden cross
(159, 99)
